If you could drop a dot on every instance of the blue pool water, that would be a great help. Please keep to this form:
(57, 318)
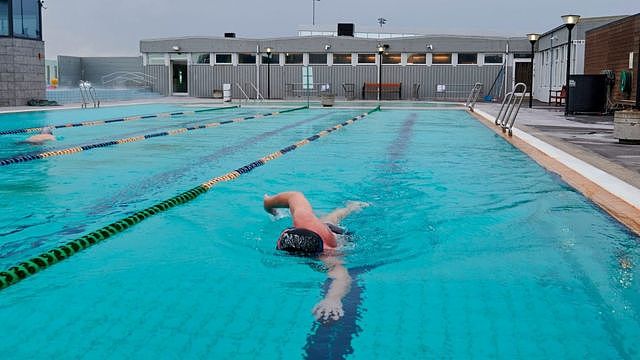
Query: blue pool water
(468, 250)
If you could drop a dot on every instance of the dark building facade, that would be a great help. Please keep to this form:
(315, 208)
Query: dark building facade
(609, 47)
(22, 70)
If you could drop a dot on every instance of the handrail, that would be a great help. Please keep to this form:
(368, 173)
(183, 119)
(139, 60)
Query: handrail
(258, 94)
(510, 108)
(243, 92)
(137, 77)
(88, 93)
(473, 96)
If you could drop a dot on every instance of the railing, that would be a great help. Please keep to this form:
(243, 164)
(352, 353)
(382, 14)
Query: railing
(298, 90)
(453, 92)
(258, 94)
(127, 78)
(510, 108)
(88, 93)
(473, 96)
(246, 97)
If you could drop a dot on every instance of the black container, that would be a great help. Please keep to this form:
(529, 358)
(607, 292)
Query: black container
(587, 94)
(345, 29)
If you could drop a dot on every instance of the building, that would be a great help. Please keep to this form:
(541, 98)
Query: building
(611, 48)
(427, 66)
(551, 56)
(22, 69)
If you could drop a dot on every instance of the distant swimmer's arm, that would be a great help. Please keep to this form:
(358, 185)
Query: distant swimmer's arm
(331, 306)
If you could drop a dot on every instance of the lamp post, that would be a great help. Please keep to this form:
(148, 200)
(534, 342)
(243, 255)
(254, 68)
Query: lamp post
(269, 50)
(313, 19)
(533, 38)
(569, 21)
(380, 53)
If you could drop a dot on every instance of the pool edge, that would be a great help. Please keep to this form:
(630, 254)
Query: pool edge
(615, 196)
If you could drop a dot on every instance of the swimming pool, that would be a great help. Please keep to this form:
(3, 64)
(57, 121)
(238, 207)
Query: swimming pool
(468, 250)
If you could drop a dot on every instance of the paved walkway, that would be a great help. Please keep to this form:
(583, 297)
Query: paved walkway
(589, 138)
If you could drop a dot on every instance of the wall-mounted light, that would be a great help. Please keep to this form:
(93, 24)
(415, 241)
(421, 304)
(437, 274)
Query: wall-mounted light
(327, 47)
(176, 48)
(429, 47)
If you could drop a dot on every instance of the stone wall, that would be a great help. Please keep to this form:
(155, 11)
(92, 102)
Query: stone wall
(22, 71)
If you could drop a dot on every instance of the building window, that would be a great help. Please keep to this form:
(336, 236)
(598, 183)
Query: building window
(391, 58)
(493, 58)
(365, 59)
(320, 59)
(522, 56)
(26, 18)
(441, 59)
(342, 59)
(4, 17)
(155, 59)
(202, 58)
(417, 59)
(293, 59)
(246, 59)
(275, 58)
(223, 58)
(467, 58)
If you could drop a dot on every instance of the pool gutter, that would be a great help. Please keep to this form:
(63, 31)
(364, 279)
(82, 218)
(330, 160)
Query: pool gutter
(617, 197)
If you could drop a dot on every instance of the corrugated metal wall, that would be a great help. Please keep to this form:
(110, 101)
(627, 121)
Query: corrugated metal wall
(161, 74)
(203, 79)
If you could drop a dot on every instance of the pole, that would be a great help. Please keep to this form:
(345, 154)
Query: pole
(269, 76)
(380, 77)
(531, 77)
(566, 100)
(313, 19)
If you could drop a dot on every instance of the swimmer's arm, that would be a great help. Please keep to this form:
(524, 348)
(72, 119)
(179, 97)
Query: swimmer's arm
(331, 306)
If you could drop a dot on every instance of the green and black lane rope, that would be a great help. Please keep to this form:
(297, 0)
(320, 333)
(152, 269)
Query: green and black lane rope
(178, 131)
(36, 264)
(111, 121)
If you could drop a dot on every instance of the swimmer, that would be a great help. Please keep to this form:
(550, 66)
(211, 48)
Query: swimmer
(311, 235)
(45, 135)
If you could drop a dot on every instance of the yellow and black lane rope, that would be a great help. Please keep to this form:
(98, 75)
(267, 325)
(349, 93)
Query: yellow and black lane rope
(32, 266)
(77, 149)
(111, 121)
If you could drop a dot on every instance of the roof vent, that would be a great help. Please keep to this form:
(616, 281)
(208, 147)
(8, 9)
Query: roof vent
(229, 35)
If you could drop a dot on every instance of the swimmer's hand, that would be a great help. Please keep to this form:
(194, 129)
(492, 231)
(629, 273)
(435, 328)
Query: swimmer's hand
(270, 210)
(328, 309)
(356, 205)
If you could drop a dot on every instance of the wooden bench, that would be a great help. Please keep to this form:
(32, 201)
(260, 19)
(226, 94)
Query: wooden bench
(392, 90)
(558, 96)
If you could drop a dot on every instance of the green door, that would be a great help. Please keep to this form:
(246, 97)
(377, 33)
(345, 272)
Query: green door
(180, 78)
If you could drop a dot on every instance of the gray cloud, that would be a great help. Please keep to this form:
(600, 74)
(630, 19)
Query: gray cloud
(115, 27)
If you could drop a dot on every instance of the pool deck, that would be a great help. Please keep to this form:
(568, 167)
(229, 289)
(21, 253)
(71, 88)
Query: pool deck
(583, 151)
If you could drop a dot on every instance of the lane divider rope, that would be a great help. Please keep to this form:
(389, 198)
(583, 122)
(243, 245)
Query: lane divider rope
(111, 121)
(178, 131)
(32, 266)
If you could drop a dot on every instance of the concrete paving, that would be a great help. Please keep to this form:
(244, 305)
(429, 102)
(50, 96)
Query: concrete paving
(589, 138)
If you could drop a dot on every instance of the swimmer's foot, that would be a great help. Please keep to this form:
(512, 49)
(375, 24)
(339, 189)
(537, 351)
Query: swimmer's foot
(356, 205)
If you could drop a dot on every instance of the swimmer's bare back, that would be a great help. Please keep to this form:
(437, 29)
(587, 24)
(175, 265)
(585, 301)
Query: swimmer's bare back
(39, 139)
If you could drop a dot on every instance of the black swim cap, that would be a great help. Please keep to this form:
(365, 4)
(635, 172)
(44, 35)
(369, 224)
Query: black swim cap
(300, 241)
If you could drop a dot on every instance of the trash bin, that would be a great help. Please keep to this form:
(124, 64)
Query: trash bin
(226, 92)
(327, 99)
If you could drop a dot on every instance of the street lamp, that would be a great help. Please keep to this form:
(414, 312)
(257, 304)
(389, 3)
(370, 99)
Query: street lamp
(569, 21)
(269, 50)
(313, 20)
(533, 38)
(553, 37)
(380, 52)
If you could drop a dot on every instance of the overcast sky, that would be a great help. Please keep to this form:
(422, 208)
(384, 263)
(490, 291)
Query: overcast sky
(115, 27)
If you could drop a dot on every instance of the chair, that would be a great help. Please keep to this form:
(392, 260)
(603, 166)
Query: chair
(558, 96)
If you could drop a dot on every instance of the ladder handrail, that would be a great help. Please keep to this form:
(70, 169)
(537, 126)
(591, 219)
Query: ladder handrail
(88, 92)
(243, 92)
(510, 107)
(258, 94)
(473, 96)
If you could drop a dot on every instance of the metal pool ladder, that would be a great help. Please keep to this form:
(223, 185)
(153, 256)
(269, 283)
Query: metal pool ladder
(88, 93)
(473, 96)
(510, 108)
